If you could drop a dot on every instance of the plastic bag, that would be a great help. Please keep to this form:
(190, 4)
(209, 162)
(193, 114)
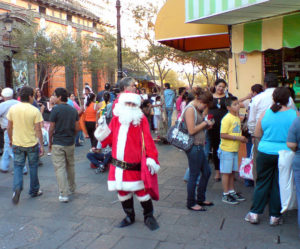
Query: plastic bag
(102, 130)
(287, 185)
(246, 168)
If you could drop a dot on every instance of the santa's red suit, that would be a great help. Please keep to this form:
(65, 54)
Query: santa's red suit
(125, 135)
(126, 142)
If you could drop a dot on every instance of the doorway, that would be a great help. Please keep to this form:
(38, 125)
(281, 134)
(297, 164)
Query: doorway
(8, 73)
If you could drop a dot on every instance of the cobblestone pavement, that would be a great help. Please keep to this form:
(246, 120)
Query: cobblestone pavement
(89, 220)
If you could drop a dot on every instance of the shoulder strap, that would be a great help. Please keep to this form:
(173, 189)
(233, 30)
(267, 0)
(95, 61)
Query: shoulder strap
(181, 116)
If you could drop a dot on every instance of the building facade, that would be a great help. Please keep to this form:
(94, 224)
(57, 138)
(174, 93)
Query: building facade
(264, 36)
(52, 15)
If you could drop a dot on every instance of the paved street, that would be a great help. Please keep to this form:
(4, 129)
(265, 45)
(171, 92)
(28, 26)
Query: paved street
(89, 220)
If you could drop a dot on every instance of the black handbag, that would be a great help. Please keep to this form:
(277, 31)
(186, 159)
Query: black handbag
(178, 134)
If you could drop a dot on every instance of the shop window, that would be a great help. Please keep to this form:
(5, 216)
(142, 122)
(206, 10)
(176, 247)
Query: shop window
(60, 15)
(53, 14)
(69, 17)
(42, 10)
(94, 25)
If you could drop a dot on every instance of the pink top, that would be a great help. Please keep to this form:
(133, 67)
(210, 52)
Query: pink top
(178, 104)
(76, 106)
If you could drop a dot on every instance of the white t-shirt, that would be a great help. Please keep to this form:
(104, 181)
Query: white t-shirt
(156, 109)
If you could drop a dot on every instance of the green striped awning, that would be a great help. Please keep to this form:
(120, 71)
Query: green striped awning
(272, 33)
(199, 9)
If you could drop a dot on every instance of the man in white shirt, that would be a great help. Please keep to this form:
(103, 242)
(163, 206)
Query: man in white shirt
(259, 104)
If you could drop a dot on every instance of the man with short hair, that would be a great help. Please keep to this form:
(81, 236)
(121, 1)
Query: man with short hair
(169, 103)
(24, 127)
(7, 94)
(64, 124)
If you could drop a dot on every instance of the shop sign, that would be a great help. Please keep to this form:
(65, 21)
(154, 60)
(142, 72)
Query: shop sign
(243, 58)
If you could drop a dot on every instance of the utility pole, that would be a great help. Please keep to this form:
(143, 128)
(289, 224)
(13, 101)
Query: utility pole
(119, 41)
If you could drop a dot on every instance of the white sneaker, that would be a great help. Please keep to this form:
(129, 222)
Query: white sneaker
(63, 198)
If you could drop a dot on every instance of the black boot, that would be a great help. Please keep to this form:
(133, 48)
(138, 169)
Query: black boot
(129, 211)
(149, 219)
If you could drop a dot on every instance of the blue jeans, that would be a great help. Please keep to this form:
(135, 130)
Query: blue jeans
(197, 163)
(296, 169)
(8, 154)
(20, 154)
(169, 112)
(97, 158)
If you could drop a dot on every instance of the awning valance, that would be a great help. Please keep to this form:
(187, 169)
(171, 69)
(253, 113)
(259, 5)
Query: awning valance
(272, 33)
(171, 30)
(236, 11)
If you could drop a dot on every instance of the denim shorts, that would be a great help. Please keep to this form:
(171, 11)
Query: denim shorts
(228, 161)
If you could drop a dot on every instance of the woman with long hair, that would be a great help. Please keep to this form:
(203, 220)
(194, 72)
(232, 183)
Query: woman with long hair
(218, 111)
(91, 108)
(272, 127)
(40, 98)
(196, 126)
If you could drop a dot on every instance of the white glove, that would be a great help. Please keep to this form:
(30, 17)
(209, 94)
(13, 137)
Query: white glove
(152, 166)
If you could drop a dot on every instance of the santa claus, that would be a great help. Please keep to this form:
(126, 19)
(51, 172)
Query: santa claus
(125, 134)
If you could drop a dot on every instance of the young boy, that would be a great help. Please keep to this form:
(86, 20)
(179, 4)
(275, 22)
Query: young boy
(231, 136)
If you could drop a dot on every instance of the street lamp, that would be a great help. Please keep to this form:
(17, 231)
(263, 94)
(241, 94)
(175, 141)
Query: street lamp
(8, 22)
(119, 41)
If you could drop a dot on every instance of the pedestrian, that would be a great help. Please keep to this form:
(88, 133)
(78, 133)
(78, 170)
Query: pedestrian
(272, 130)
(218, 111)
(128, 131)
(246, 103)
(40, 98)
(64, 124)
(157, 113)
(182, 91)
(99, 160)
(293, 142)
(196, 125)
(25, 135)
(169, 96)
(231, 136)
(144, 95)
(7, 94)
(260, 104)
(90, 113)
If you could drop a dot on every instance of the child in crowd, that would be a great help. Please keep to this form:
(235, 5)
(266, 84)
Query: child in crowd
(231, 136)
(157, 113)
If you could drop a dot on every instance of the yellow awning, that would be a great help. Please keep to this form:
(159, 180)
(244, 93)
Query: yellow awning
(171, 30)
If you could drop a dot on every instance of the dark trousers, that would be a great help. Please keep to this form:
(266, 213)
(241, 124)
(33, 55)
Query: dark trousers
(1, 138)
(267, 186)
(91, 127)
(197, 163)
(97, 158)
(214, 136)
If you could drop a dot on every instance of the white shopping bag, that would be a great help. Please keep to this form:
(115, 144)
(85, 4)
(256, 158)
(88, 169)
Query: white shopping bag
(102, 130)
(246, 167)
(287, 186)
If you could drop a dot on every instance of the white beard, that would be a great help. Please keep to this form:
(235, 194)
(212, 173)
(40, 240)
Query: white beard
(128, 114)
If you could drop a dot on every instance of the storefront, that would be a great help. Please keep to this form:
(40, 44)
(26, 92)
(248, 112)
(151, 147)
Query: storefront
(264, 34)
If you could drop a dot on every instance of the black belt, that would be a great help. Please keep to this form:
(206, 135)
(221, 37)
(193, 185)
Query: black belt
(125, 165)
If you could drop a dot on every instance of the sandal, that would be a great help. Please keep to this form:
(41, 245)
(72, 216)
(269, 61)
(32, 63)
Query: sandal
(201, 209)
(204, 203)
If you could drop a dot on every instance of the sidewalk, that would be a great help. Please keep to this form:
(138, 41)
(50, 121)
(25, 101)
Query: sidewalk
(89, 220)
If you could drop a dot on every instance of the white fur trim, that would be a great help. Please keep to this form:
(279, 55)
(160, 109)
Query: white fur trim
(131, 98)
(152, 166)
(143, 198)
(125, 197)
(125, 186)
(122, 138)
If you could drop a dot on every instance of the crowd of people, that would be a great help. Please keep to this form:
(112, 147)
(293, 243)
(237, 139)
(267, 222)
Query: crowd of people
(119, 122)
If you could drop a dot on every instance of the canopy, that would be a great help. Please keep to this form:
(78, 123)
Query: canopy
(271, 33)
(236, 11)
(171, 30)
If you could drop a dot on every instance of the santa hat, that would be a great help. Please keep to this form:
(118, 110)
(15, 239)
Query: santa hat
(128, 97)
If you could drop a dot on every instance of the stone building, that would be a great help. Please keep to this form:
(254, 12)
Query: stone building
(66, 15)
